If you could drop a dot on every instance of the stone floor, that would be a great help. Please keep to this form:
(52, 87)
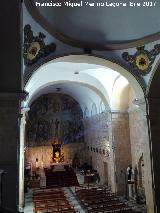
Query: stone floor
(28, 202)
(137, 207)
(70, 194)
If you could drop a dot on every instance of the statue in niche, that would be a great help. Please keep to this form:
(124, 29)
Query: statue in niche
(57, 158)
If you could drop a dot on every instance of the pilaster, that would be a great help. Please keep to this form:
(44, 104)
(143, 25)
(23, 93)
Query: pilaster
(9, 148)
(21, 158)
(154, 127)
(140, 146)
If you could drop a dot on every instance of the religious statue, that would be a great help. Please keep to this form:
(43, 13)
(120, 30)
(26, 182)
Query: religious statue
(130, 181)
(57, 157)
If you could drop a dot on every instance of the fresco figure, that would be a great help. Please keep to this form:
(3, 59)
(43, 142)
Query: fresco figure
(56, 128)
(54, 117)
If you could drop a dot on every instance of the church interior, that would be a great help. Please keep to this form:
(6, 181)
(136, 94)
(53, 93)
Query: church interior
(80, 107)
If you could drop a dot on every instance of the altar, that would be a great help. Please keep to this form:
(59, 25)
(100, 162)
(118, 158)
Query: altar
(59, 166)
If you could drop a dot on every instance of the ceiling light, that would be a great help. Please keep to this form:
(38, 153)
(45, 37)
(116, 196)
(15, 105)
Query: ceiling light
(76, 73)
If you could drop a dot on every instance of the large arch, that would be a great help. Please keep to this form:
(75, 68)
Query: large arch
(93, 61)
(86, 73)
(153, 98)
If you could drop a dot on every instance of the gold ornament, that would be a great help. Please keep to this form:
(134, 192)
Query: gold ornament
(33, 50)
(142, 61)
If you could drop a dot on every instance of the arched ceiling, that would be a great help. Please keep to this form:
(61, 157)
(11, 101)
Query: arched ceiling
(99, 27)
(85, 96)
(87, 83)
(86, 89)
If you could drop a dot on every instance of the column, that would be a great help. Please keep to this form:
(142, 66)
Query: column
(143, 138)
(11, 88)
(21, 158)
(121, 148)
(9, 148)
(154, 124)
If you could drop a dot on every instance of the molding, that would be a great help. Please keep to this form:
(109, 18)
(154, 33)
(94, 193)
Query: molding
(33, 10)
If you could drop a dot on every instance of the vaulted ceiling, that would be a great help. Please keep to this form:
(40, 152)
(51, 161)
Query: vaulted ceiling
(89, 84)
(99, 27)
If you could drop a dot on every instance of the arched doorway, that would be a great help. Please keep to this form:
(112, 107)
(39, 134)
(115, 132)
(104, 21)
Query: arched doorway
(106, 86)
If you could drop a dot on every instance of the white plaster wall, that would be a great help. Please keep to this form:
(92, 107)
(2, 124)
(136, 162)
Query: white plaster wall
(120, 94)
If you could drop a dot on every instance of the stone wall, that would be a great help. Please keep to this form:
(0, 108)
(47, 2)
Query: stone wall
(97, 138)
(137, 137)
(44, 154)
(122, 148)
(141, 153)
(108, 143)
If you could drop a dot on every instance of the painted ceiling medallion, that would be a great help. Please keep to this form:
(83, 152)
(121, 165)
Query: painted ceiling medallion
(142, 60)
(35, 47)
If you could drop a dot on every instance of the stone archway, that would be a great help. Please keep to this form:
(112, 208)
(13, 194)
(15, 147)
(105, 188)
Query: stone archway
(99, 89)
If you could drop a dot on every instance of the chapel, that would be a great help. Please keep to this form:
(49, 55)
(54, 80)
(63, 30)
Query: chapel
(80, 106)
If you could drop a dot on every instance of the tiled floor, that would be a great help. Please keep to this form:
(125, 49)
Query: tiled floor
(28, 202)
(73, 200)
(71, 197)
(69, 192)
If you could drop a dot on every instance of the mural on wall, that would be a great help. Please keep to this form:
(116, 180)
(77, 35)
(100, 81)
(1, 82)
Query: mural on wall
(54, 118)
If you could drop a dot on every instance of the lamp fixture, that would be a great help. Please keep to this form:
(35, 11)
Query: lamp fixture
(76, 73)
